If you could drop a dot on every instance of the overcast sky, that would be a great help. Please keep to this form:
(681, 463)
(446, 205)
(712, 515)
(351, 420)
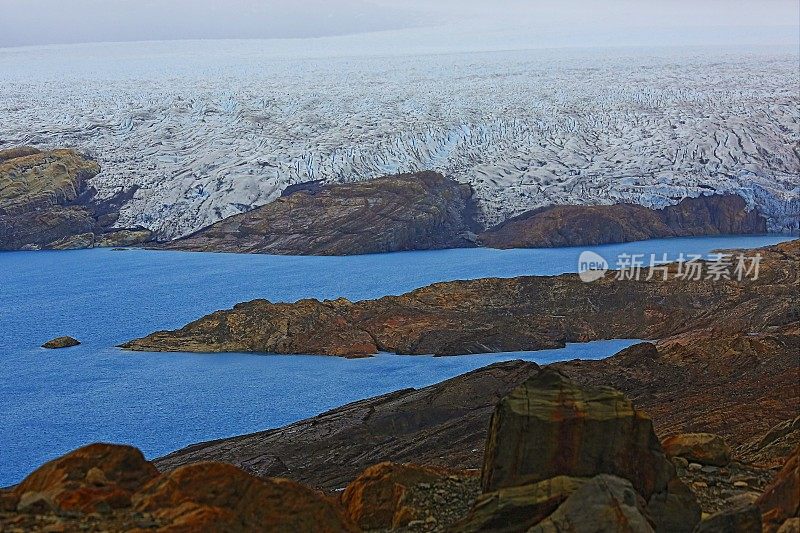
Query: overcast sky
(31, 22)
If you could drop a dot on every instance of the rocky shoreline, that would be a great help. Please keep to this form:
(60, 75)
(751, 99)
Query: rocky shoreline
(47, 202)
(501, 315)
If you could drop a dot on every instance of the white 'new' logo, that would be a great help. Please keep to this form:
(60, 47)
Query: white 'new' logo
(591, 266)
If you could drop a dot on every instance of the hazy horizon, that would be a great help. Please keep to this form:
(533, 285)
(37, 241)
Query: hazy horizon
(564, 23)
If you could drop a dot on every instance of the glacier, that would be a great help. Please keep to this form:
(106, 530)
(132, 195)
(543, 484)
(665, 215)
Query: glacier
(207, 129)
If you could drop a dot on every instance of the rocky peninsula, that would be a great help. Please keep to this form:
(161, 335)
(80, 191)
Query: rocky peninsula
(500, 315)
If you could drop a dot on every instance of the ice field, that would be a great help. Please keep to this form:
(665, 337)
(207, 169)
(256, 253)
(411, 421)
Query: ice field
(207, 129)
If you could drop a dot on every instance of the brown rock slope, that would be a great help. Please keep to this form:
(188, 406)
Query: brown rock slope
(405, 212)
(443, 424)
(47, 202)
(496, 315)
(106, 487)
(576, 225)
(739, 385)
(550, 438)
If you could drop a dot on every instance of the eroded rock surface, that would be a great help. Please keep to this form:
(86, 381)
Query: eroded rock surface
(574, 225)
(46, 202)
(444, 424)
(394, 213)
(499, 315)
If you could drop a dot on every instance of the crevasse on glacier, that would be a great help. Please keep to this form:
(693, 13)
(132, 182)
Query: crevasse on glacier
(205, 135)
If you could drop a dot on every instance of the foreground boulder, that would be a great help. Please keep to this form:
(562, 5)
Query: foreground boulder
(220, 497)
(605, 503)
(780, 503)
(377, 499)
(61, 342)
(98, 477)
(549, 427)
(702, 448)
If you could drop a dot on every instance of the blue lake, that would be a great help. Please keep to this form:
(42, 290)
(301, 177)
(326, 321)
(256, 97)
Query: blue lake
(54, 401)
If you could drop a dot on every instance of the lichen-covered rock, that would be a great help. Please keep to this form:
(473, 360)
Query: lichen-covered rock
(47, 202)
(518, 508)
(780, 502)
(376, 498)
(703, 448)
(550, 426)
(605, 503)
(97, 477)
(61, 342)
(221, 497)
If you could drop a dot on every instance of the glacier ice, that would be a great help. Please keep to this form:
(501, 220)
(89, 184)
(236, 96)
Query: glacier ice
(209, 129)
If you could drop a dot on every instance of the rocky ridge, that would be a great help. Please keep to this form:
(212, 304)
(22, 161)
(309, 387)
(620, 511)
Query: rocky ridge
(498, 315)
(46, 202)
(394, 213)
(572, 225)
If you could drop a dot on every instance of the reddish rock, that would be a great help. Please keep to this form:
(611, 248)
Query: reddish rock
(376, 498)
(498, 315)
(97, 477)
(221, 497)
(780, 502)
(585, 225)
(703, 448)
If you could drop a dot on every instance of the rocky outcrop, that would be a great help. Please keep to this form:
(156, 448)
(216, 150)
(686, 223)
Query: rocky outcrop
(379, 497)
(774, 448)
(106, 487)
(61, 342)
(498, 315)
(444, 424)
(702, 448)
(425, 210)
(780, 503)
(46, 202)
(617, 475)
(585, 225)
(221, 497)
(406, 212)
(707, 381)
(98, 477)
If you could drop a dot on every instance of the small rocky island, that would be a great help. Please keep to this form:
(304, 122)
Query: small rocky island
(61, 342)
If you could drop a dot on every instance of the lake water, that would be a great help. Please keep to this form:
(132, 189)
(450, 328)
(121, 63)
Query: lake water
(54, 401)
